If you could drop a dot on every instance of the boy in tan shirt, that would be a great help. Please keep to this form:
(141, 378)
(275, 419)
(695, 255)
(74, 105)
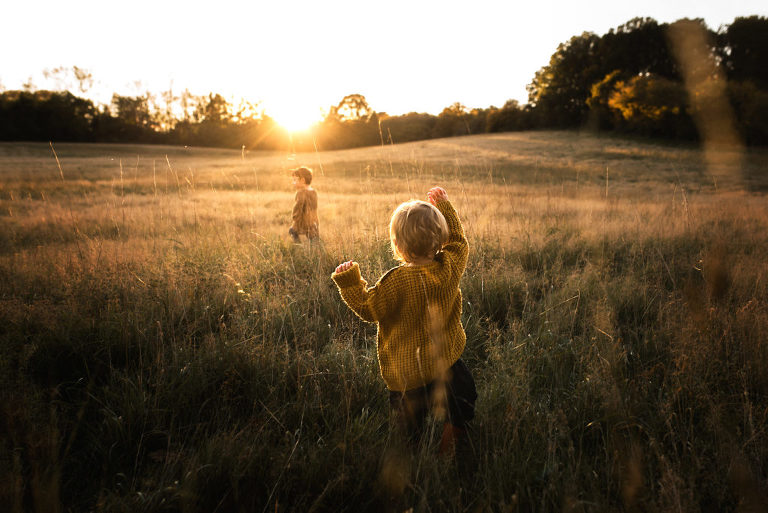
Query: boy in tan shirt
(304, 215)
(417, 307)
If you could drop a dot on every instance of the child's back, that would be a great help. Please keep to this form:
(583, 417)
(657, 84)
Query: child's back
(417, 307)
(304, 215)
(304, 220)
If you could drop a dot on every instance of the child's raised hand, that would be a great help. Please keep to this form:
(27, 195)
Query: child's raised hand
(436, 194)
(345, 266)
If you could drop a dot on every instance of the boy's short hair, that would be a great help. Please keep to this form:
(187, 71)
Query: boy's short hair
(417, 230)
(303, 172)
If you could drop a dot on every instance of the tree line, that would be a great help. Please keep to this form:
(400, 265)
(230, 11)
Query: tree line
(657, 79)
(644, 78)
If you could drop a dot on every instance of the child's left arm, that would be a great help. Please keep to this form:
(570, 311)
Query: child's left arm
(456, 246)
(298, 208)
(368, 303)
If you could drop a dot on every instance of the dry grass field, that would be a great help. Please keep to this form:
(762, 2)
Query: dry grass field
(164, 347)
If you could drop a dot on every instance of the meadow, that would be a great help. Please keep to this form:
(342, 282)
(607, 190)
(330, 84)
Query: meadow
(165, 347)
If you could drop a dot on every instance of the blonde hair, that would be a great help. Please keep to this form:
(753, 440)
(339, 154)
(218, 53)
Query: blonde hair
(417, 230)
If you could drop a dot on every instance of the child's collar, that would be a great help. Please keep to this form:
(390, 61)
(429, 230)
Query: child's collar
(420, 263)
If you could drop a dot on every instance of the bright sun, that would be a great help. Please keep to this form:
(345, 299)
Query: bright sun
(293, 116)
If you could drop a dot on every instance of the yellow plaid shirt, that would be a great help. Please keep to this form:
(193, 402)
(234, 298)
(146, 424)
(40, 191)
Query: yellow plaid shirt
(417, 309)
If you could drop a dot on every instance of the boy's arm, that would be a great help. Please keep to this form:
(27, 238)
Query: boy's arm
(298, 208)
(367, 303)
(456, 247)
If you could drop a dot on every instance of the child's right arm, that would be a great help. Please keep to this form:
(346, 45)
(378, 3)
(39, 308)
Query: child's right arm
(368, 303)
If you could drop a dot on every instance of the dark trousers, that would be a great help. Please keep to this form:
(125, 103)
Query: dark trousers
(454, 397)
(313, 234)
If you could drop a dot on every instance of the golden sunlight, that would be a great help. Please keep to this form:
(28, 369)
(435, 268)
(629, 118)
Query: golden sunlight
(293, 116)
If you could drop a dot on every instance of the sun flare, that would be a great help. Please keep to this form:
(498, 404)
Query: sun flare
(293, 116)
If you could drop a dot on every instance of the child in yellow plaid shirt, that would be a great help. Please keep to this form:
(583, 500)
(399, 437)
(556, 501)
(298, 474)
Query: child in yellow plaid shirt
(417, 307)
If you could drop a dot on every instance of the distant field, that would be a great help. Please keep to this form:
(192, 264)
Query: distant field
(164, 347)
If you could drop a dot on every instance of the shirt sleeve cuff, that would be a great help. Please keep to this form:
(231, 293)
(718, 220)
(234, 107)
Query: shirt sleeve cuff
(348, 278)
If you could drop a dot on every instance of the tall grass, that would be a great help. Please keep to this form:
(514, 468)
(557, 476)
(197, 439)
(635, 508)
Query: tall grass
(164, 347)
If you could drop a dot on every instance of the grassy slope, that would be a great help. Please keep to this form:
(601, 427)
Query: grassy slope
(163, 347)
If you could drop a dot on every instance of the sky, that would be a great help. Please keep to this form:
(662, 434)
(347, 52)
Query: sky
(297, 58)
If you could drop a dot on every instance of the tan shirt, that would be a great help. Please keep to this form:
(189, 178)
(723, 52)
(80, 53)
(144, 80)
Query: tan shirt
(304, 215)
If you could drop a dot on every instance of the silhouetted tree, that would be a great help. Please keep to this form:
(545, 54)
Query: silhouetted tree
(510, 117)
(693, 46)
(408, 127)
(350, 123)
(477, 120)
(215, 110)
(452, 121)
(750, 105)
(653, 106)
(45, 116)
(132, 110)
(638, 46)
(559, 91)
(353, 107)
(694, 49)
(601, 115)
(744, 50)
